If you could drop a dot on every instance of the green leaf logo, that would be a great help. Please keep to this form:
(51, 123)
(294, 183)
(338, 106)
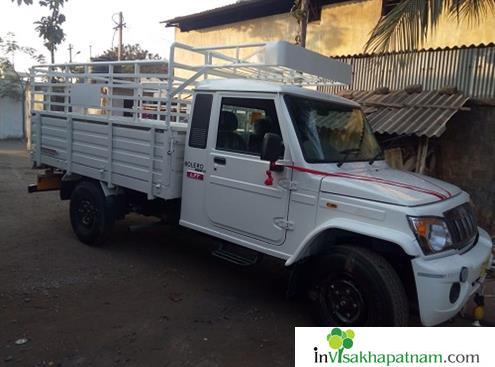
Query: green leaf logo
(340, 340)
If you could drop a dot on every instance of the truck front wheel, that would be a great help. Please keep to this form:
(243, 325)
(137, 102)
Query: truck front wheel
(354, 286)
(91, 213)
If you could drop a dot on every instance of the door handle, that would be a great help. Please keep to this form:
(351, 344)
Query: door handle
(220, 160)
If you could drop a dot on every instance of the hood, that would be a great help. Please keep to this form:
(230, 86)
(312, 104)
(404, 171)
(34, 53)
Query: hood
(388, 185)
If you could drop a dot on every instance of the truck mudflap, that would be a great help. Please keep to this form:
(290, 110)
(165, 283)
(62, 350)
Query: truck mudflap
(446, 284)
(50, 180)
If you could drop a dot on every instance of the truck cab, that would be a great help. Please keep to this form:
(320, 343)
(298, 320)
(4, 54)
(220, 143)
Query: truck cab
(328, 188)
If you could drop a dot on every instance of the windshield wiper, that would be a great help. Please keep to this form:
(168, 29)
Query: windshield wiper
(372, 160)
(346, 153)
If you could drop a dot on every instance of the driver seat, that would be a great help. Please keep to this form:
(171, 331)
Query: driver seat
(228, 138)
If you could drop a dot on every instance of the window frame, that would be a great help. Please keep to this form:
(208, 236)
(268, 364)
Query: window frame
(367, 126)
(268, 99)
(204, 119)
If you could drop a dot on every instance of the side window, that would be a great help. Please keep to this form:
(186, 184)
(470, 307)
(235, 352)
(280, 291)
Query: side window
(244, 122)
(198, 134)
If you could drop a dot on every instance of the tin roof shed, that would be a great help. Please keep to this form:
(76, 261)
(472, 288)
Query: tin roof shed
(241, 11)
(410, 111)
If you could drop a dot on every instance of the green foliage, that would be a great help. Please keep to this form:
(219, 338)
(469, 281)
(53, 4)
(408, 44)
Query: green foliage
(134, 52)
(10, 81)
(129, 52)
(9, 46)
(27, 2)
(408, 24)
(49, 27)
(9, 84)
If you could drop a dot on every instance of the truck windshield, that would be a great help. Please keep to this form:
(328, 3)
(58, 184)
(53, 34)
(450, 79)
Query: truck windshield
(329, 132)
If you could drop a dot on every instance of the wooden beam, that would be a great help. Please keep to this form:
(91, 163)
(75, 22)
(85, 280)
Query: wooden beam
(422, 154)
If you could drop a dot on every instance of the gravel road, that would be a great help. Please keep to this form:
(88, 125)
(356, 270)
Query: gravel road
(151, 297)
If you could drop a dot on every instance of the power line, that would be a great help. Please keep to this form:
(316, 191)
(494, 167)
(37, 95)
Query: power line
(113, 38)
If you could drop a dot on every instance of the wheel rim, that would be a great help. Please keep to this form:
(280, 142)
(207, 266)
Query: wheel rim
(345, 301)
(86, 213)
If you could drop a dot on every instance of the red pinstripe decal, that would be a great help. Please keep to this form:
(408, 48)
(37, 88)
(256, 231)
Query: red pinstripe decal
(373, 179)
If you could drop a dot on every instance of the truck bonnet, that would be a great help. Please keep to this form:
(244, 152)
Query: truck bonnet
(385, 185)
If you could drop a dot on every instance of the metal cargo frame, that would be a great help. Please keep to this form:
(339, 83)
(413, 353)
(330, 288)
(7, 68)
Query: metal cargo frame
(124, 123)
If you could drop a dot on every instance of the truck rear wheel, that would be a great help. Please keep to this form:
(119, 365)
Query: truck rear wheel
(357, 287)
(91, 213)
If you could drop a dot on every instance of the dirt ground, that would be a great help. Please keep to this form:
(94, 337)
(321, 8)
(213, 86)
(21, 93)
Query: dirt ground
(151, 297)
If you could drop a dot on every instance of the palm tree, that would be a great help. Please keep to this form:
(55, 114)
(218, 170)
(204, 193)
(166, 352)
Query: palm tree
(407, 25)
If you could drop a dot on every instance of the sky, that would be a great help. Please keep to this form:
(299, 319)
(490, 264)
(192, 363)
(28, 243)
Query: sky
(89, 22)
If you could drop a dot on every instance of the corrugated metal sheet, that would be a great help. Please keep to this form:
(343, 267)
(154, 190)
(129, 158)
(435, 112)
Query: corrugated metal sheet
(424, 113)
(241, 11)
(470, 69)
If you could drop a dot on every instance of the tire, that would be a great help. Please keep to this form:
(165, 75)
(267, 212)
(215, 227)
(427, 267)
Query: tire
(91, 213)
(354, 286)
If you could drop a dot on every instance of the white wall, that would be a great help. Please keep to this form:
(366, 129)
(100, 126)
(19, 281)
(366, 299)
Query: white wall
(10, 118)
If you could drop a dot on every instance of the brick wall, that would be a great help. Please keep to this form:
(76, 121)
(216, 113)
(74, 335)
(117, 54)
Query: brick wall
(466, 157)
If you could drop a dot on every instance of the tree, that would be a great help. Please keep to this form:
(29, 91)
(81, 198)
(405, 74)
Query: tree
(134, 52)
(49, 27)
(129, 52)
(408, 24)
(10, 80)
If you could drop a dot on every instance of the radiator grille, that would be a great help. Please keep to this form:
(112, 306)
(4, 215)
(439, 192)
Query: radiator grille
(462, 225)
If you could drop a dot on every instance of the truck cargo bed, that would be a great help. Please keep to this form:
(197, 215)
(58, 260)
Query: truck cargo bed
(145, 157)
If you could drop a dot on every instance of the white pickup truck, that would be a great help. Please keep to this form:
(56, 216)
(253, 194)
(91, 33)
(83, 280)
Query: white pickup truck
(238, 144)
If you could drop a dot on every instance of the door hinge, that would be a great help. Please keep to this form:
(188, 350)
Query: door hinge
(288, 185)
(285, 224)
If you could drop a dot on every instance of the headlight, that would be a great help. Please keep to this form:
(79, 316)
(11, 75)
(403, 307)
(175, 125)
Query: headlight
(432, 233)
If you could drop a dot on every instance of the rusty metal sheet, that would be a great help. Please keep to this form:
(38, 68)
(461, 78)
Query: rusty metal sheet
(424, 113)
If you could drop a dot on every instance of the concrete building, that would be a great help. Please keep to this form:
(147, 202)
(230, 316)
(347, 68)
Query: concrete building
(336, 27)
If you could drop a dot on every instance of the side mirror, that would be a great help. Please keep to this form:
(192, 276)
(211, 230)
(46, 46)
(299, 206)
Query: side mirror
(271, 147)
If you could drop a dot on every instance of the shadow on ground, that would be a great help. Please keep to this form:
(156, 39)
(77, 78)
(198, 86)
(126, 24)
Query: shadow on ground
(151, 297)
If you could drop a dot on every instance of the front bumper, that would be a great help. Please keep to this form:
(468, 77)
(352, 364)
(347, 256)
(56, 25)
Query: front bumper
(436, 277)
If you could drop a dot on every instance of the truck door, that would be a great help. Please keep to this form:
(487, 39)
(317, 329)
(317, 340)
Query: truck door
(237, 199)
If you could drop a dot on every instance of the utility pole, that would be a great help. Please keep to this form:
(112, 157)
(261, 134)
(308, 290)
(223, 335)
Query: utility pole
(120, 27)
(70, 52)
(303, 22)
(90, 52)
(300, 11)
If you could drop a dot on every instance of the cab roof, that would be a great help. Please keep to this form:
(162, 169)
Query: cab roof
(246, 85)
